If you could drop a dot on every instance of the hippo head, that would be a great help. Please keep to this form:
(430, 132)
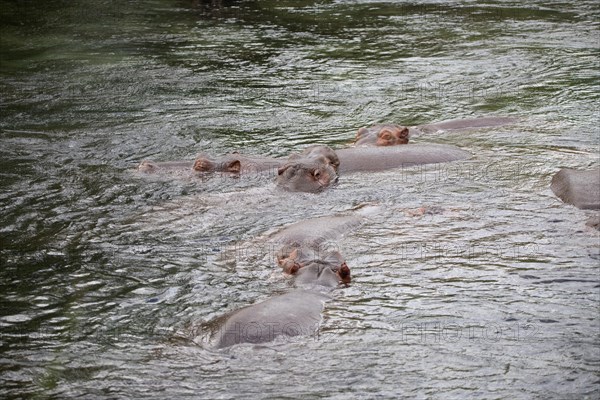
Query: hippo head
(319, 273)
(382, 135)
(319, 153)
(312, 170)
(147, 167)
(306, 176)
(328, 268)
(206, 164)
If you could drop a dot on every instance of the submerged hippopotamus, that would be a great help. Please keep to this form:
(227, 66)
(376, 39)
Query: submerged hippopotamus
(467, 123)
(296, 313)
(391, 135)
(309, 250)
(317, 167)
(312, 170)
(382, 135)
(151, 167)
(235, 163)
(580, 188)
(316, 269)
(359, 159)
(327, 268)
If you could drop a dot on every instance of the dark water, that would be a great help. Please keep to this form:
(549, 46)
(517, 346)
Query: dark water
(103, 271)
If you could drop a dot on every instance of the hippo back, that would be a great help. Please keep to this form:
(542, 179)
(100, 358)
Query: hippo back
(317, 232)
(469, 123)
(382, 158)
(580, 188)
(291, 314)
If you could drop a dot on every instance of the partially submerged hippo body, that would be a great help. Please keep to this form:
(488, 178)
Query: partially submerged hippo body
(461, 124)
(317, 270)
(318, 232)
(318, 170)
(309, 250)
(580, 188)
(232, 163)
(291, 314)
(152, 167)
(382, 135)
(358, 159)
(235, 163)
(317, 167)
(391, 135)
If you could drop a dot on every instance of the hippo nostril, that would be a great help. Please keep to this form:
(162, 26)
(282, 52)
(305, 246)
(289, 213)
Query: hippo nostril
(344, 273)
(294, 269)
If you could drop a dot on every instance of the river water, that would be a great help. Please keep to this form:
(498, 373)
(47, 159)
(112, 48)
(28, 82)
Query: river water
(107, 277)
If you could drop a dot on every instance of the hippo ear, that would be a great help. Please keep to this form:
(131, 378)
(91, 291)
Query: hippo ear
(403, 134)
(281, 170)
(361, 131)
(146, 166)
(234, 166)
(385, 133)
(203, 164)
(344, 273)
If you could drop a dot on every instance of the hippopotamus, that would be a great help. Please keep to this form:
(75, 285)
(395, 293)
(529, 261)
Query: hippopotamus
(235, 163)
(149, 167)
(317, 167)
(316, 269)
(316, 233)
(309, 250)
(382, 135)
(313, 170)
(308, 175)
(291, 314)
(580, 188)
(327, 268)
(391, 135)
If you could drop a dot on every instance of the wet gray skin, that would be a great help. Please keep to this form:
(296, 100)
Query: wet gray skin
(317, 233)
(304, 177)
(291, 314)
(358, 159)
(580, 188)
(321, 274)
(461, 124)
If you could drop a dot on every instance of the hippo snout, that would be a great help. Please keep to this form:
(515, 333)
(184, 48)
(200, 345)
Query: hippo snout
(147, 166)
